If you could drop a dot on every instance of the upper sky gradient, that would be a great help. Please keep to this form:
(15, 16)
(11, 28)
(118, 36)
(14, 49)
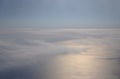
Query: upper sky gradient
(59, 13)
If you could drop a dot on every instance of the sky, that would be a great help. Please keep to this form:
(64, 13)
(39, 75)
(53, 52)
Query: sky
(20, 13)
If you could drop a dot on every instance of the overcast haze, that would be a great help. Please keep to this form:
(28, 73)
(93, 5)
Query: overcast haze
(58, 13)
(64, 45)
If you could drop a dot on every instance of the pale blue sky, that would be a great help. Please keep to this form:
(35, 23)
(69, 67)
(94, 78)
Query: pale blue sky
(59, 13)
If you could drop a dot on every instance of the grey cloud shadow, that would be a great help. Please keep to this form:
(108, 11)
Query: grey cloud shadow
(17, 73)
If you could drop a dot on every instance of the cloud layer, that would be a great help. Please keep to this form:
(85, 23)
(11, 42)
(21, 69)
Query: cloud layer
(25, 52)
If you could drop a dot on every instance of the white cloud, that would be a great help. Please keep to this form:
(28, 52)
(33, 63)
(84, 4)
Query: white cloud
(31, 47)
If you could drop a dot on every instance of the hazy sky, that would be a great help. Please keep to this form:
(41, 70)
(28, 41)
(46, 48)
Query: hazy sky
(59, 12)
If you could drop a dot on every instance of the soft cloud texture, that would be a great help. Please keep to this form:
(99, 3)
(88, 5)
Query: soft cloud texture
(26, 52)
